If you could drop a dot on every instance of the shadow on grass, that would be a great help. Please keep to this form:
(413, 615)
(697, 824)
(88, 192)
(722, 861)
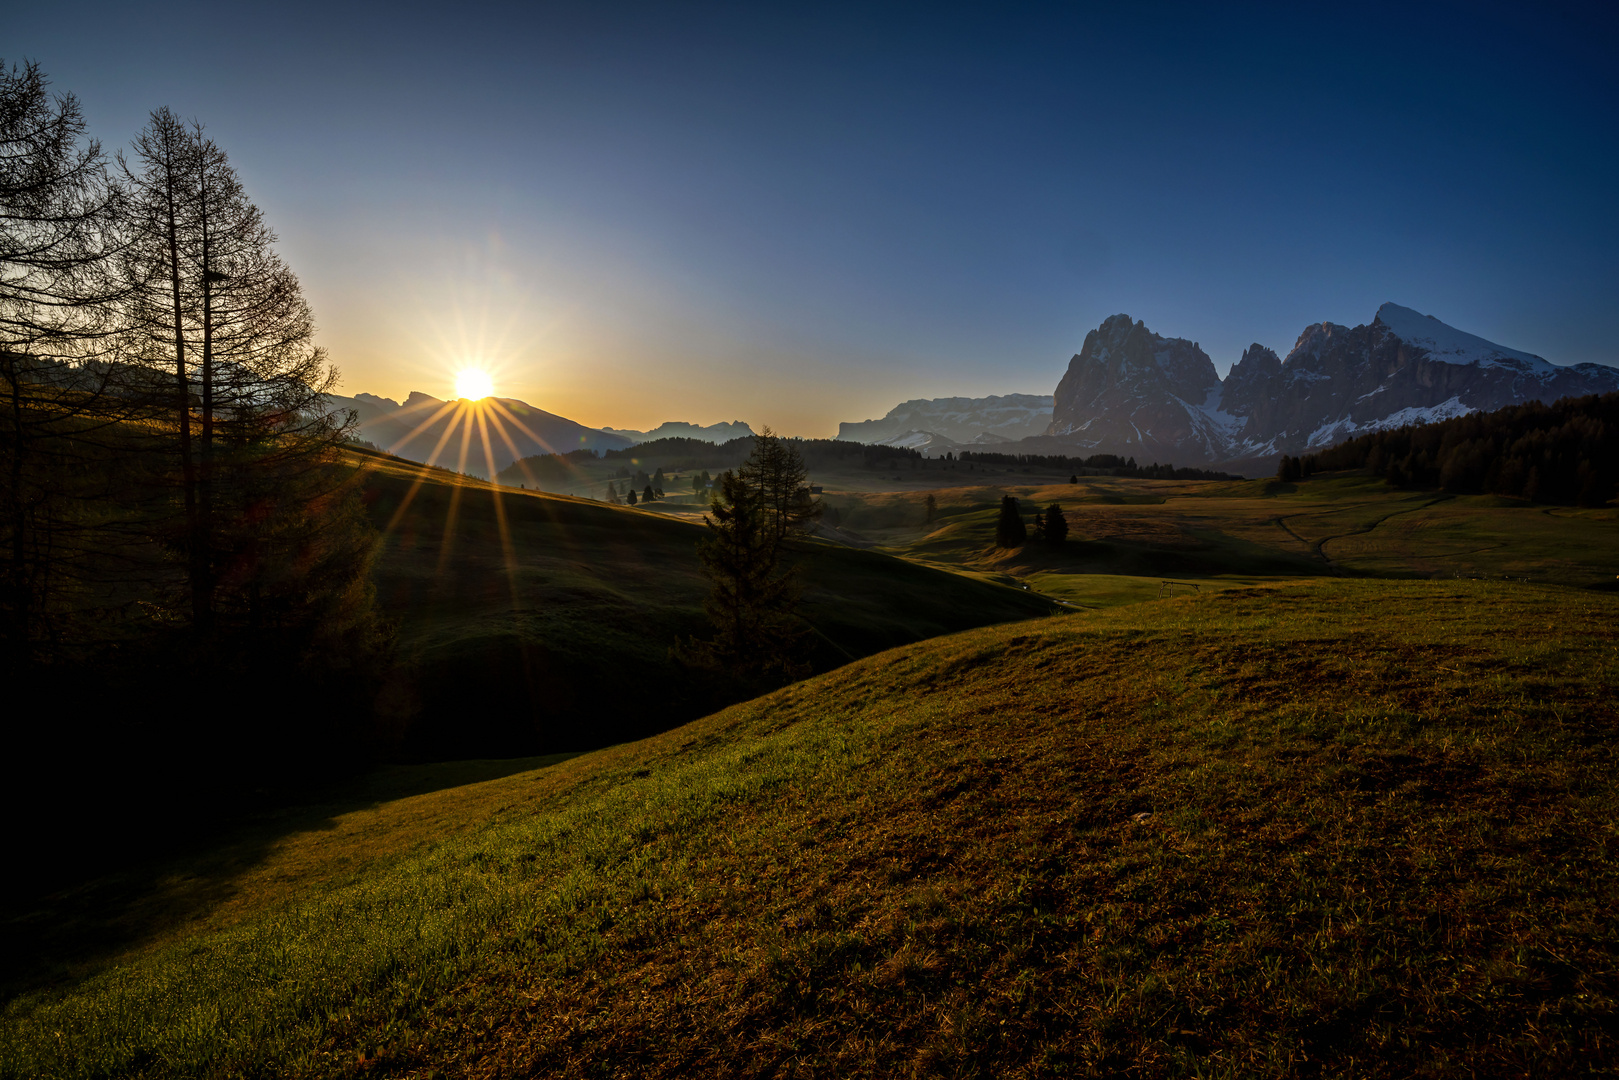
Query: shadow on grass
(78, 916)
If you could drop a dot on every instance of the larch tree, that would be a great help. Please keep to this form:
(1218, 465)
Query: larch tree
(273, 540)
(751, 605)
(776, 475)
(59, 232)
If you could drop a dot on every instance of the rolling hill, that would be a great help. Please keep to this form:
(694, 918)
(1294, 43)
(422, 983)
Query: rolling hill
(1322, 827)
(530, 623)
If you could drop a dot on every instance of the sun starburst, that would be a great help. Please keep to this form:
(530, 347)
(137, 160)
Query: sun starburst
(473, 384)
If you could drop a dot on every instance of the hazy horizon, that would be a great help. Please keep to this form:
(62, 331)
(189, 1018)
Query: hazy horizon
(635, 213)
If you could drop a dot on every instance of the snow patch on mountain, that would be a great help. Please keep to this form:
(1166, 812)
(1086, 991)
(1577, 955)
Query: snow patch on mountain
(958, 420)
(1344, 428)
(912, 440)
(1451, 345)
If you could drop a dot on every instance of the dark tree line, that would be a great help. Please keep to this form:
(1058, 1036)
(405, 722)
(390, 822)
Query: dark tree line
(689, 454)
(183, 554)
(1094, 465)
(1565, 453)
(1050, 526)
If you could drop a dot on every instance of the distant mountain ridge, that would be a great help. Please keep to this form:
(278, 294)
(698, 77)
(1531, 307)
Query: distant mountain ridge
(1132, 392)
(678, 429)
(956, 420)
(422, 425)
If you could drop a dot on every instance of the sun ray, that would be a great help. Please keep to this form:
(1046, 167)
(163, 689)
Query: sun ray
(517, 457)
(498, 407)
(506, 548)
(421, 477)
(433, 419)
(464, 418)
(466, 437)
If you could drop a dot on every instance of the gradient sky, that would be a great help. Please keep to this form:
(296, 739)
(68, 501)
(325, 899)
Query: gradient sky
(801, 214)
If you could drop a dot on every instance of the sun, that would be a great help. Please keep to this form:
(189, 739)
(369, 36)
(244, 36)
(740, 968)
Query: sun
(472, 384)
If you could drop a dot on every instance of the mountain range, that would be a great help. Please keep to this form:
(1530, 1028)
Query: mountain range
(424, 428)
(1128, 391)
(1132, 392)
(678, 429)
(940, 423)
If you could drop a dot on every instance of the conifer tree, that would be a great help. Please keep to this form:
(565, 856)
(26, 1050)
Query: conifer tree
(59, 234)
(1056, 525)
(212, 303)
(1009, 529)
(932, 507)
(776, 474)
(751, 605)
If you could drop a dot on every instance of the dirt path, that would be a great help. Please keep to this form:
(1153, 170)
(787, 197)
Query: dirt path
(1316, 546)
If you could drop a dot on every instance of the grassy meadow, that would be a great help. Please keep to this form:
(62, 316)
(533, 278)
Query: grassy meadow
(1330, 826)
(1127, 535)
(529, 622)
(1346, 807)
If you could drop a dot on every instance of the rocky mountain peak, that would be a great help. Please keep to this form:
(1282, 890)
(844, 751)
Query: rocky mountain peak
(1258, 358)
(1131, 388)
(1131, 391)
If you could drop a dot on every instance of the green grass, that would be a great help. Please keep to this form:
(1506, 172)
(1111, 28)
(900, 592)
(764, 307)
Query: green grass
(1337, 826)
(1127, 536)
(540, 621)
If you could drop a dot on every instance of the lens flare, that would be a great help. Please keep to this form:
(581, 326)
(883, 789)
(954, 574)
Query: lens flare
(473, 384)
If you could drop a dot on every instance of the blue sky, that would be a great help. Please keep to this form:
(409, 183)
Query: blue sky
(797, 215)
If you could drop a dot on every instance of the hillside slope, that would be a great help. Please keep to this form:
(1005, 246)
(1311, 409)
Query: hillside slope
(1331, 827)
(532, 623)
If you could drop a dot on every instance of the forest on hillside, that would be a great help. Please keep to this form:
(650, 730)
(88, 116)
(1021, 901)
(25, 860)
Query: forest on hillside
(1564, 453)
